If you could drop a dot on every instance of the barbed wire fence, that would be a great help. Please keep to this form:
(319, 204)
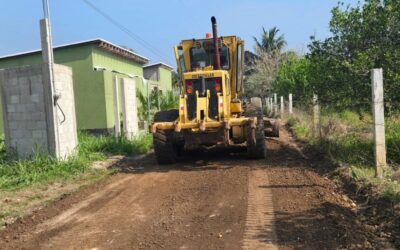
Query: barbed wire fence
(288, 106)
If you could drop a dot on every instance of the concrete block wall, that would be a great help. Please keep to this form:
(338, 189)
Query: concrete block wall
(129, 108)
(24, 111)
(26, 116)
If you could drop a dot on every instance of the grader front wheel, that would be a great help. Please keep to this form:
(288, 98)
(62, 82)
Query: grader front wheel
(255, 136)
(165, 149)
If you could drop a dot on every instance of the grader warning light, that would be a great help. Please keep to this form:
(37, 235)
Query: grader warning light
(212, 111)
(217, 86)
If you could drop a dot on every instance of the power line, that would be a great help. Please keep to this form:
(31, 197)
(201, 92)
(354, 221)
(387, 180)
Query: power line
(132, 35)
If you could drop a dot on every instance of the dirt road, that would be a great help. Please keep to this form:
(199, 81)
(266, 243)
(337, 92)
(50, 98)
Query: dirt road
(204, 202)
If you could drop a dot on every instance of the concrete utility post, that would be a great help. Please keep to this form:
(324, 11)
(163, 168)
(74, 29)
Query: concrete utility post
(48, 80)
(379, 121)
(275, 103)
(117, 120)
(290, 104)
(316, 115)
(282, 106)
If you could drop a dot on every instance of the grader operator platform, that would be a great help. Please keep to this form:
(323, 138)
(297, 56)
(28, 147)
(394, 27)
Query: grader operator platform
(211, 111)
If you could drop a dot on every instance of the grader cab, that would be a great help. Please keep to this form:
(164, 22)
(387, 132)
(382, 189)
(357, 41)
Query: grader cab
(211, 111)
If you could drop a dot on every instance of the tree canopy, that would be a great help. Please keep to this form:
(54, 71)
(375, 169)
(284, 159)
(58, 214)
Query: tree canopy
(270, 41)
(337, 68)
(266, 63)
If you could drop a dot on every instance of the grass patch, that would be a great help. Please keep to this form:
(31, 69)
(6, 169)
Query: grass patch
(42, 169)
(92, 146)
(347, 137)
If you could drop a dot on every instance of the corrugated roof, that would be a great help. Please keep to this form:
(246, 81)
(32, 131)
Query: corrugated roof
(158, 65)
(101, 43)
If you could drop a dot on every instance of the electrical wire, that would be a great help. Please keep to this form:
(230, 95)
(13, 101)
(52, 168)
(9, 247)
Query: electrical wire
(132, 35)
(62, 112)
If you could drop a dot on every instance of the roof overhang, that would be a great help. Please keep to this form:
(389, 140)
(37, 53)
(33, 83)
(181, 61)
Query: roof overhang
(160, 64)
(99, 43)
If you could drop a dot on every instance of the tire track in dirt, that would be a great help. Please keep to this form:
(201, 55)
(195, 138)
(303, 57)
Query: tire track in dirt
(73, 213)
(260, 222)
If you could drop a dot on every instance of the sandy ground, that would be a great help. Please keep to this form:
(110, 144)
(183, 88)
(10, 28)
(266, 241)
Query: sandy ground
(209, 200)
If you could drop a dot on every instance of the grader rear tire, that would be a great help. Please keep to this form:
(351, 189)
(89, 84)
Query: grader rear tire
(255, 149)
(165, 149)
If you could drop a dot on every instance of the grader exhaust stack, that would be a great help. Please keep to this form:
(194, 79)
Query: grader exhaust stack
(217, 59)
(212, 111)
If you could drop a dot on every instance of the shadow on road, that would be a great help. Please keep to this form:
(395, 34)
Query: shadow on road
(196, 160)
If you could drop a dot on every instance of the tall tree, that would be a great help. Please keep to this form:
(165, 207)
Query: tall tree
(363, 37)
(270, 42)
(266, 64)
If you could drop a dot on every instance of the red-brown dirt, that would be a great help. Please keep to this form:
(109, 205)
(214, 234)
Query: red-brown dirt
(209, 200)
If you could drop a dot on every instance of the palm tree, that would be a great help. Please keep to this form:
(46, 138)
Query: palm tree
(270, 41)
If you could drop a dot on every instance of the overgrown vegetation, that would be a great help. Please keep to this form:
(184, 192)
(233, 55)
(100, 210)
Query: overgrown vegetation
(363, 37)
(164, 101)
(42, 169)
(346, 137)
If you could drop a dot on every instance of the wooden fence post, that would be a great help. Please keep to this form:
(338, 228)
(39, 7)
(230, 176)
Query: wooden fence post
(316, 116)
(379, 121)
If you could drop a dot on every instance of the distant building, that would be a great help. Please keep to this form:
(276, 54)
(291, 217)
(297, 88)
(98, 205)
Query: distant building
(159, 73)
(95, 63)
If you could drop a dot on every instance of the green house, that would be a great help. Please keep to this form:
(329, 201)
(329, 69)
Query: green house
(95, 64)
(159, 75)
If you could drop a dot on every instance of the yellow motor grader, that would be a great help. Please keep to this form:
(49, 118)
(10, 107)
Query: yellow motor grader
(211, 111)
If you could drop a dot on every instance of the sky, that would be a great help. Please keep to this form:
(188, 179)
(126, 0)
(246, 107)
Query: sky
(163, 23)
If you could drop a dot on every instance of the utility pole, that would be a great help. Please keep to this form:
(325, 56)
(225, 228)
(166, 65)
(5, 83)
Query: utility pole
(48, 79)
